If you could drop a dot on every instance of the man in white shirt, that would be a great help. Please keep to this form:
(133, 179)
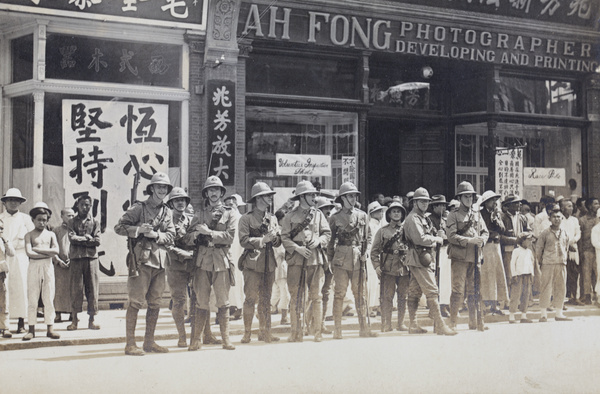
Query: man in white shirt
(571, 226)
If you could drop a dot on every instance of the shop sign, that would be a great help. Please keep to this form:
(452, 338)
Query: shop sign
(302, 165)
(410, 37)
(221, 130)
(349, 169)
(537, 176)
(91, 59)
(111, 149)
(509, 171)
(189, 14)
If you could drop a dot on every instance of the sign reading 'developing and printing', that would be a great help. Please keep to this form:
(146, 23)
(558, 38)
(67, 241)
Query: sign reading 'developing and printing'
(406, 35)
(111, 149)
(509, 171)
(536, 176)
(190, 14)
(302, 165)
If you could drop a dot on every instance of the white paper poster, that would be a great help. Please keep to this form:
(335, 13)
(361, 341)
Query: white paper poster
(303, 165)
(509, 171)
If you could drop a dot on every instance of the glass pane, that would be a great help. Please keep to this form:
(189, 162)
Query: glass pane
(469, 95)
(301, 75)
(466, 149)
(22, 127)
(22, 58)
(539, 96)
(89, 59)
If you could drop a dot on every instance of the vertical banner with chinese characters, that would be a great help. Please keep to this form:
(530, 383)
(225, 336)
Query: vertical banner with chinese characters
(221, 130)
(349, 169)
(509, 171)
(111, 150)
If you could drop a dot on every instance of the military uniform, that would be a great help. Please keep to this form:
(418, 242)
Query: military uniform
(464, 224)
(420, 236)
(152, 257)
(316, 228)
(388, 253)
(258, 263)
(347, 257)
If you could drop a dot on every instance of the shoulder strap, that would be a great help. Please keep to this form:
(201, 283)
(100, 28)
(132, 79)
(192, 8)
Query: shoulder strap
(302, 225)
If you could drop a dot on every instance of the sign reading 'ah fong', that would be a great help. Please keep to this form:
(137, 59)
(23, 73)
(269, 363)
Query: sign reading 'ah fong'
(302, 165)
(416, 38)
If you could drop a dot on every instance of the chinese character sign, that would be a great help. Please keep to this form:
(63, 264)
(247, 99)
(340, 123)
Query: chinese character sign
(349, 169)
(111, 150)
(221, 130)
(509, 171)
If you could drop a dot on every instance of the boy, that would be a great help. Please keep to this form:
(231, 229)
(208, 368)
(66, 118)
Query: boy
(17, 224)
(521, 268)
(551, 250)
(4, 251)
(41, 246)
(84, 235)
(62, 271)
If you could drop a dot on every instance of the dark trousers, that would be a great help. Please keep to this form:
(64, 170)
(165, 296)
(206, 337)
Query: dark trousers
(573, 272)
(84, 279)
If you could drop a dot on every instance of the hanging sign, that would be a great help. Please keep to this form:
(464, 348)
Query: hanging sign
(349, 169)
(509, 171)
(536, 176)
(303, 165)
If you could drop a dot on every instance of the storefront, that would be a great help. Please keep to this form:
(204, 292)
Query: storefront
(95, 99)
(424, 93)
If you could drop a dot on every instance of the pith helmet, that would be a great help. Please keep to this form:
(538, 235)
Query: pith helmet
(178, 192)
(374, 207)
(323, 202)
(346, 188)
(260, 189)
(13, 192)
(213, 181)
(40, 205)
(465, 188)
(421, 194)
(395, 204)
(303, 187)
(488, 195)
(160, 178)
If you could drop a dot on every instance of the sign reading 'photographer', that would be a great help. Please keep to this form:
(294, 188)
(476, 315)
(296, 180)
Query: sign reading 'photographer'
(299, 165)
(536, 176)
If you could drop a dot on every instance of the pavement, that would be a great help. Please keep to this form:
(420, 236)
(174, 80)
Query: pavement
(112, 327)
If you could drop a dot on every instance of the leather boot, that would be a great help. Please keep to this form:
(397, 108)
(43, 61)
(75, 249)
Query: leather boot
(131, 348)
(209, 338)
(412, 305)
(224, 325)
(248, 314)
(73, 325)
(386, 316)
(294, 322)
(284, 317)
(338, 305)
(364, 329)
(31, 334)
(92, 325)
(401, 313)
(455, 304)
(200, 319)
(179, 319)
(21, 326)
(440, 327)
(149, 344)
(51, 333)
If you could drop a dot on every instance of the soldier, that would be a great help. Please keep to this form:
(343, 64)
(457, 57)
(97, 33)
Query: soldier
(438, 214)
(213, 230)
(304, 234)
(325, 205)
(388, 255)
(149, 226)
(181, 266)
(467, 233)
(421, 239)
(347, 253)
(259, 233)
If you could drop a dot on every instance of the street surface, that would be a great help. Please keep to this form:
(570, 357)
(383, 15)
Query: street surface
(553, 357)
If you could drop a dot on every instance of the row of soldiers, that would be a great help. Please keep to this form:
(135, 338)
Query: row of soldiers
(166, 242)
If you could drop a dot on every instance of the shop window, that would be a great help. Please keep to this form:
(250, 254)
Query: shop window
(302, 75)
(22, 136)
(469, 95)
(22, 58)
(543, 147)
(539, 96)
(271, 131)
(90, 59)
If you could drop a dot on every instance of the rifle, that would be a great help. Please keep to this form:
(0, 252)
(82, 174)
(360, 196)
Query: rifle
(264, 229)
(477, 280)
(300, 316)
(132, 264)
(363, 277)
